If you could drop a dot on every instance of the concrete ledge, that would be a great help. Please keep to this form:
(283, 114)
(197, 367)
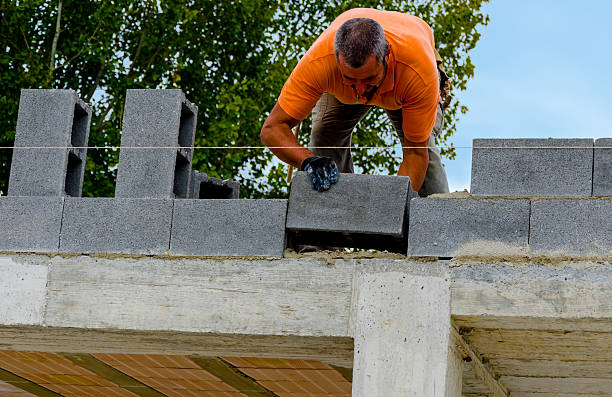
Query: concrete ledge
(110, 225)
(602, 167)
(449, 227)
(30, 224)
(563, 167)
(228, 227)
(302, 296)
(571, 227)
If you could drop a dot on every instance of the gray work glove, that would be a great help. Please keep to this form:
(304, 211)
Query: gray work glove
(322, 171)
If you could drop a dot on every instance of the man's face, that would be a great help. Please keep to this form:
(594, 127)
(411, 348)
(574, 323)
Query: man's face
(365, 79)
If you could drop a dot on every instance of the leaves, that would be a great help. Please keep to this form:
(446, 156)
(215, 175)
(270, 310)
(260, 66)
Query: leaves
(231, 59)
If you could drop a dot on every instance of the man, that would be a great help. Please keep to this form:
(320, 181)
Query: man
(365, 58)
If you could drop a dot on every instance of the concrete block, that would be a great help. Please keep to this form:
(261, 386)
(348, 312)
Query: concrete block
(448, 227)
(123, 226)
(229, 227)
(369, 208)
(155, 124)
(532, 167)
(571, 227)
(30, 224)
(402, 337)
(59, 121)
(602, 167)
(204, 187)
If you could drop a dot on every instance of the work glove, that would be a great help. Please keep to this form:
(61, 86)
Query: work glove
(322, 171)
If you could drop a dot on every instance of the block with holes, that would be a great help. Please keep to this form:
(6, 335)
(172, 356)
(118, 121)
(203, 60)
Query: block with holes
(156, 145)
(49, 155)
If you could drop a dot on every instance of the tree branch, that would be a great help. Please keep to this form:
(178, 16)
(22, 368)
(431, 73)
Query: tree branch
(56, 36)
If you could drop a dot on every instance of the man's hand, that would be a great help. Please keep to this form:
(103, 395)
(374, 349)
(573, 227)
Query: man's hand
(322, 171)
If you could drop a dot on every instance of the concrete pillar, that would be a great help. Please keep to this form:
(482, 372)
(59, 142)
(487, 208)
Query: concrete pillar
(402, 333)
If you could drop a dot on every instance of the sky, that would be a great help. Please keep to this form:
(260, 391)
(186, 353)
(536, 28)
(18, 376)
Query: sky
(541, 71)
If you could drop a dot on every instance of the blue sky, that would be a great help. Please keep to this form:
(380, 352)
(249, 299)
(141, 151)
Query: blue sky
(541, 71)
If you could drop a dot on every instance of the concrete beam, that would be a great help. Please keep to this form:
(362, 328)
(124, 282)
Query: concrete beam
(297, 296)
(602, 167)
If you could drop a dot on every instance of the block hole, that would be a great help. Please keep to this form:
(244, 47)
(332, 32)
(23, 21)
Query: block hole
(181, 175)
(80, 123)
(74, 174)
(211, 190)
(186, 127)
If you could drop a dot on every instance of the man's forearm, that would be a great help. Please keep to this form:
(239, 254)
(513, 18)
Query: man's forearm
(414, 165)
(276, 134)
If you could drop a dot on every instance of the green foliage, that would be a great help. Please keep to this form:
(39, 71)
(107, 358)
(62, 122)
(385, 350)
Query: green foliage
(231, 59)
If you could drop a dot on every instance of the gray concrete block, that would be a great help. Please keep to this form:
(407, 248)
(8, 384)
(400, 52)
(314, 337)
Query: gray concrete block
(57, 120)
(538, 167)
(448, 227)
(30, 224)
(123, 226)
(204, 187)
(370, 204)
(571, 227)
(229, 227)
(602, 167)
(155, 124)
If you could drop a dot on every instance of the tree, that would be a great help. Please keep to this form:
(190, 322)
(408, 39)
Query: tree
(231, 59)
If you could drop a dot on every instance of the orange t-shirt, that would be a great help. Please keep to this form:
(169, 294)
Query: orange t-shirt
(411, 82)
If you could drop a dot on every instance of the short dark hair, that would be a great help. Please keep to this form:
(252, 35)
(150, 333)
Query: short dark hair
(357, 39)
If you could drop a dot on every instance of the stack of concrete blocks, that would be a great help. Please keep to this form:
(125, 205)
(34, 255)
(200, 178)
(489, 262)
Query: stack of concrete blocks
(151, 173)
(204, 187)
(529, 197)
(48, 165)
(362, 211)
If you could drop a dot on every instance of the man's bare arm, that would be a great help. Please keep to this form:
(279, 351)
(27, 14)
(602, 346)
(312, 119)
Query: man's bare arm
(414, 164)
(276, 132)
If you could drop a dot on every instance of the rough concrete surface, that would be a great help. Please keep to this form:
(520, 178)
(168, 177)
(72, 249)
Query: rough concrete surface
(49, 118)
(111, 225)
(448, 227)
(30, 224)
(602, 167)
(355, 204)
(229, 227)
(157, 119)
(281, 297)
(411, 315)
(571, 227)
(540, 167)
(22, 291)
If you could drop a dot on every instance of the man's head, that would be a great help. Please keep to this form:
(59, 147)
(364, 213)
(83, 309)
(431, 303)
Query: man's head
(361, 50)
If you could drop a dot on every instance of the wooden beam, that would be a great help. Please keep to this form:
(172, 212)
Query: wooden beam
(111, 374)
(26, 385)
(485, 373)
(327, 349)
(232, 376)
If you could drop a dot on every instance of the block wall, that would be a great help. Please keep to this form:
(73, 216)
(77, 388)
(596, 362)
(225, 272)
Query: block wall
(530, 197)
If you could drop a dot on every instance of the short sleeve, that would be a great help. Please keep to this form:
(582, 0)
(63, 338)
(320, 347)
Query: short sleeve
(419, 114)
(303, 88)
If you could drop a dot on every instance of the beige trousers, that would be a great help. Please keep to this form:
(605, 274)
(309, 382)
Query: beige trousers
(333, 123)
